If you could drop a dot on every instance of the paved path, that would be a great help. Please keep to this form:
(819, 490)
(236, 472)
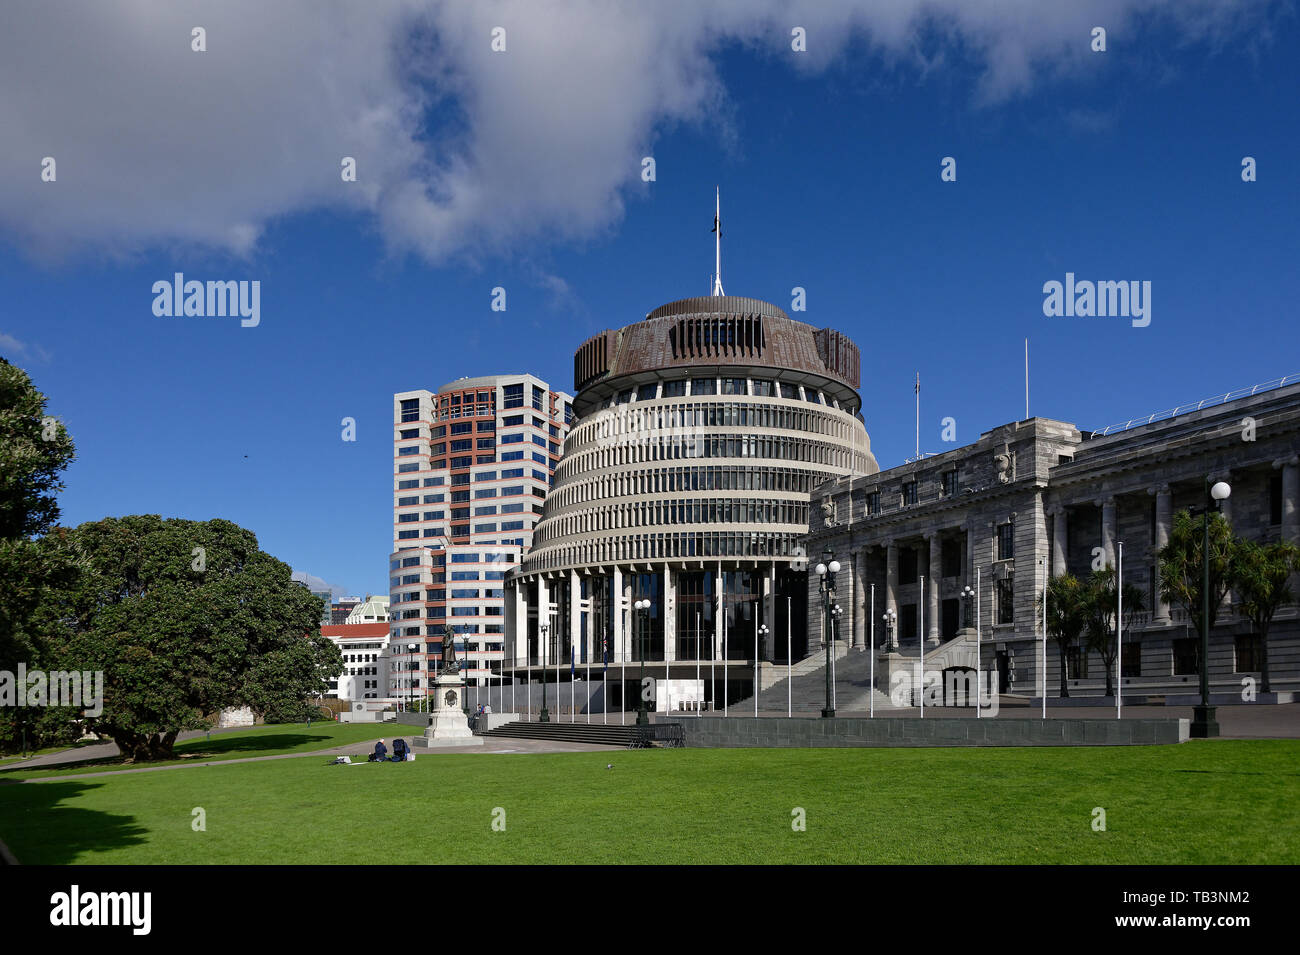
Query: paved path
(359, 750)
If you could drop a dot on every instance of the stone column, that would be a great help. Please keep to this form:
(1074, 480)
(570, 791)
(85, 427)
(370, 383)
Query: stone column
(861, 600)
(932, 593)
(517, 622)
(545, 657)
(670, 614)
(1291, 499)
(891, 584)
(575, 614)
(618, 638)
(1291, 507)
(1058, 541)
(767, 647)
(718, 611)
(1164, 518)
(1108, 531)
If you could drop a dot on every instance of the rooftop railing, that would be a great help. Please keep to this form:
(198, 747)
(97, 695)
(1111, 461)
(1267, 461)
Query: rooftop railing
(1197, 406)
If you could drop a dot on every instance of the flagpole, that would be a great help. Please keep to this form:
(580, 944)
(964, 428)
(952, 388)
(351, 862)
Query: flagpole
(978, 662)
(1119, 634)
(1044, 680)
(1026, 379)
(789, 663)
(920, 657)
(918, 416)
(726, 698)
(697, 661)
(873, 650)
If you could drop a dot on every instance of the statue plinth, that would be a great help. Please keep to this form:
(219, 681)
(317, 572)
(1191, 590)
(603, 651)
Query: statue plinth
(448, 725)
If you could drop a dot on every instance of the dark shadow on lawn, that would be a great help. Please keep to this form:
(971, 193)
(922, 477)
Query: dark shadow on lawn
(194, 750)
(39, 831)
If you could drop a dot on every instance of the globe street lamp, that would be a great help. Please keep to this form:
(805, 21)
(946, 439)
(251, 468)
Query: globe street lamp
(890, 617)
(1204, 725)
(545, 715)
(762, 631)
(827, 570)
(642, 608)
(967, 596)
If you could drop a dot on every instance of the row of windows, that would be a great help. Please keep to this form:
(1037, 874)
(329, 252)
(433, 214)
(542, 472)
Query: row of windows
(636, 424)
(670, 480)
(698, 511)
(667, 546)
(759, 387)
(677, 447)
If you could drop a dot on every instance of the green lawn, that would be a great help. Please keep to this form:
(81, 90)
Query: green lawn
(271, 740)
(1201, 802)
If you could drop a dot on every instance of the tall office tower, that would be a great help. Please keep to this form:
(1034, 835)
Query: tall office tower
(472, 466)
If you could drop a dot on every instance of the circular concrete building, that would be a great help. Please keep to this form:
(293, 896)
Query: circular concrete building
(698, 437)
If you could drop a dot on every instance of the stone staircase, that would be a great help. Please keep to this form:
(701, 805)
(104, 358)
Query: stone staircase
(807, 686)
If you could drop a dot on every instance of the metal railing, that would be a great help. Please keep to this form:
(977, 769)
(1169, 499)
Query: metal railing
(1197, 406)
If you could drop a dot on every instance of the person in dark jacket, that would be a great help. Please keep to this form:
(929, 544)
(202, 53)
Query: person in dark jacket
(380, 753)
(399, 750)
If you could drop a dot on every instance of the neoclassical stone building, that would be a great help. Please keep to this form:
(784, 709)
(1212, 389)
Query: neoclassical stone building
(1039, 496)
(698, 437)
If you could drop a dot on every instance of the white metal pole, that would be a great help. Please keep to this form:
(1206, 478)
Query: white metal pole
(1119, 634)
(697, 662)
(726, 696)
(873, 650)
(920, 656)
(834, 649)
(623, 678)
(789, 661)
(978, 661)
(1044, 679)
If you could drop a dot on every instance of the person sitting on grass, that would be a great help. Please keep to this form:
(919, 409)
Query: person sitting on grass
(380, 753)
(399, 750)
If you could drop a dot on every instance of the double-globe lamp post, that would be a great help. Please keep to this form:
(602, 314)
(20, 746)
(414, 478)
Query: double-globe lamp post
(545, 715)
(642, 612)
(968, 598)
(890, 617)
(1204, 725)
(827, 570)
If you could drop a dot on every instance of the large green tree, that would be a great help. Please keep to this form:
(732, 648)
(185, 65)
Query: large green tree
(1101, 607)
(185, 618)
(1261, 577)
(34, 450)
(1182, 565)
(1066, 615)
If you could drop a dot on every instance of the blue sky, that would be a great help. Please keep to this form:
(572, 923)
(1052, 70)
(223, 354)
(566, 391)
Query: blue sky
(1118, 165)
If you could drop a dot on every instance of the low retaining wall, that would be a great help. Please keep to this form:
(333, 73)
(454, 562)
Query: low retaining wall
(712, 732)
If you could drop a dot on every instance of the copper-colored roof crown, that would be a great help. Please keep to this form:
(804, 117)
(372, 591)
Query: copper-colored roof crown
(717, 330)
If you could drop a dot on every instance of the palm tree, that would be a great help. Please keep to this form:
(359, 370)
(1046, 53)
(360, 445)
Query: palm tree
(1100, 607)
(1182, 567)
(1065, 616)
(1260, 576)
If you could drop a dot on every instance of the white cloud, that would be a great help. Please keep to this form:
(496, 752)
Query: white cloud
(21, 350)
(461, 152)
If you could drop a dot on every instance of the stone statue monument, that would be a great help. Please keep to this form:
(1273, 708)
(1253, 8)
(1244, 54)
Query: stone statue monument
(448, 725)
